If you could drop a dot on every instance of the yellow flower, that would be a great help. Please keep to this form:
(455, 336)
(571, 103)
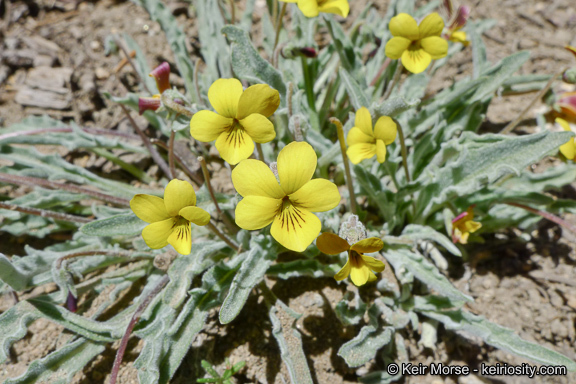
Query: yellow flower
(459, 37)
(287, 205)
(311, 8)
(358, 266)
(463, 226)
(365, 142)
(568, 149)
(170, 217)
(241, 118)
(416, 44)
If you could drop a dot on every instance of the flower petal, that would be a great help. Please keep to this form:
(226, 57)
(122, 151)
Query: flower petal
(386, 130)
(356, 136)
(195, 215)
(331, 244)
(224, 95)
(156, 234)
(254, 178)
(235, 145)
(568, 150)
(564, 124)
(177, 195)
(360, 275)
(432, 25)
(181, 238)
(308, 7)
(363, 121)
(259, 98)
(344, 272)
(338, 7)
(459, 37)
(372, 263)
(296, 165)
(436, 46)
(207, 126)
(295, 228)
(317, 195)
(380, 151)
(369, 245)
(472, 226)
(396, 46)
(358, 152)
(149, 208)
(416, 61)
(404, 25)
(255, 212)
(260, 129)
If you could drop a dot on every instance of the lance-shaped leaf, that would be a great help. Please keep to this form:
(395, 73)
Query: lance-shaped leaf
(364, 346)
(119, 225)
(421, 232)
(355, 91)
(15, 277)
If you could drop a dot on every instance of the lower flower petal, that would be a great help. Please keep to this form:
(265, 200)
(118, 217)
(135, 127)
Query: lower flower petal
(317, 195)
(380, 151)
(181, 239)
(331, 244)
(255, 212)
(177, 195)
(371, 277)
(206, 126)
(569, 149)
(416, 61)
(295, 228)
(344, 272)
(235, 146)
(357, 136)
(338, 7)
(436, 46)
(373, 264)
(149, 208)
(369, 245)
(156, 234)
(358, 152)
(396, 46)
(386, 130)
(195, 215)
(260, 129)
(359, 276)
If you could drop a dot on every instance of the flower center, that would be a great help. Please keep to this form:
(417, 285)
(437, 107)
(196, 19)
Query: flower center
(235, 134)
(355, 259)
(414, 45)
(182, 228)
(290, 216)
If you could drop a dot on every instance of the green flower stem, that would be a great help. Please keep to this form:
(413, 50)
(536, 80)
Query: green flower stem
(548, 216)
(232, 12)
(260, 152)
(196, 87)
(44, 213)
(208, 183)
(223, 237)
(392, 175)
(342, 141)
(279, 26)
(403, 151)
(171, 153)
(308, 84)
(385, 65)
(189, 172)
(395, 81)
(134, 171)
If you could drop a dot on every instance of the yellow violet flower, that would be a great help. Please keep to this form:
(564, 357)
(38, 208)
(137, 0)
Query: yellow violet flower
(416, 44)
(364, 141)
(311, 8)
(463, 226)
(241, 118)
(361, 268)
(170, 217)
(288, 204)
(568, 149)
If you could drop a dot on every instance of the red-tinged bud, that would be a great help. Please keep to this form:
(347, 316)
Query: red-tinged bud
(148, 104)
(162, 75)
(462, 16)
(571, 49)
(567, 104)
(460, 216)
(308, 52)
(71, 302)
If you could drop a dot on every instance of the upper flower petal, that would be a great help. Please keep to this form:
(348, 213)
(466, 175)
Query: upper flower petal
(369, 245)
(404, 25)
(338, 7)
(358, 152)
(363, 121)
(386, 130)
(436, 46)
(156, 234)
(260, 129)
(224, 95)
(295, 228)
(344, 272)
(255, 212)
(331, 244)
(207, 126)
(259, 98)
(380, 151)
(308, 7)
(373, 264)
(149, 208)
(235, 145)
(416, 60)
(296, 165)
(317, 195)
(356, 136)
(254, 178)
(396, 46)
(195, 215)
(177, 195)
(181, 238)
(432, 25)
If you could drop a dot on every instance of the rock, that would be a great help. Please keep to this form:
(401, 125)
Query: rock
(50, 79)
(19, 58)
(101, 73)
(44, 99)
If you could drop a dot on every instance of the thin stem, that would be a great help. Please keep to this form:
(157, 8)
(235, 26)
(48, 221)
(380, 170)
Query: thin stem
(232, 12)
(385, 65)
(94, 253)
(191, 174)
(507, 129)
(342, 141)
(209, 183)
(91, 131)
(135, 317)
(260, 152)
(308, 85)
(153, 152)
(171, 154)
(34, 181)
(403, 151)
(44, 213)
(279, 26)
(395, 81)
(223, 237)
(196, 87)
(392, 175)
(548, 216)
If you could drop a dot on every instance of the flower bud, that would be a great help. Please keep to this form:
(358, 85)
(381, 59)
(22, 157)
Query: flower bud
(162, 76)
(148, 103)
(291, 52)
(72, 303)
(569, 76)
(352, 230)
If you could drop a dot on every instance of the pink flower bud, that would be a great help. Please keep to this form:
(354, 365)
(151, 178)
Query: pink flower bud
(308, 52)
(148, 103)
(567, 104)
(72, 302)
(162, 75)
(462, 16)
